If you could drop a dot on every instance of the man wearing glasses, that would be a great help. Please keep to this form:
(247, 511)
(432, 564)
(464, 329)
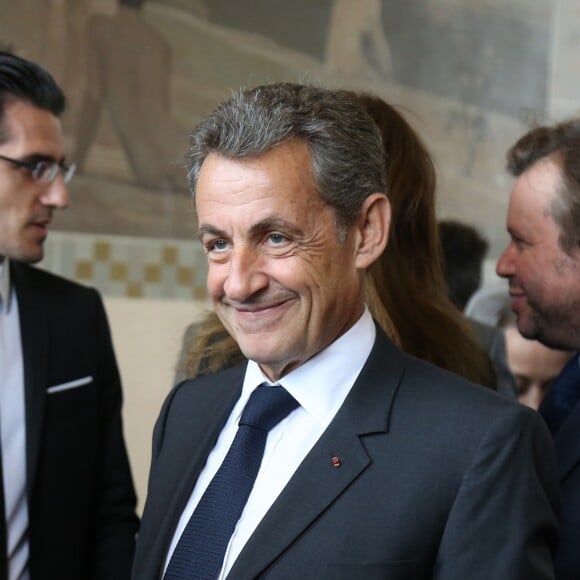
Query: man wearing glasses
(67, 502)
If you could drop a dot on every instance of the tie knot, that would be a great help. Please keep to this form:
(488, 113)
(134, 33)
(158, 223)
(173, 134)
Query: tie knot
(267, 406)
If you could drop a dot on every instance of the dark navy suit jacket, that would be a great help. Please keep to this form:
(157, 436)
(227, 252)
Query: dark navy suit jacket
(567, 441)
(438, 479)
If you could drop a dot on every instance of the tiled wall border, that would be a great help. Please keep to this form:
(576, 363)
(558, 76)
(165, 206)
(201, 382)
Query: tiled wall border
(131, 267)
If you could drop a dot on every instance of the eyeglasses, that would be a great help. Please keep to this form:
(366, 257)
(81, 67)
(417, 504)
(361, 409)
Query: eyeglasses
(44, 171)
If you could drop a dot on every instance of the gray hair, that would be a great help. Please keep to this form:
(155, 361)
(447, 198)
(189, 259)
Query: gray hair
(344, 142)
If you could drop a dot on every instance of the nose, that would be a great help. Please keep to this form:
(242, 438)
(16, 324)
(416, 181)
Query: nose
(55, 194)
(245, 276)
(505, 264)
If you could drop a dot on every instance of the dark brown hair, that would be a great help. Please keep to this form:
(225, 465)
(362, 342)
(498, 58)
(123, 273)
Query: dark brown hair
(407, 281)
(463, 252)
(561, 142)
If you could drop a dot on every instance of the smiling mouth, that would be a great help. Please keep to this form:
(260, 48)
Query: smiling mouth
(260, 314)
(517, 299)
(259, 309)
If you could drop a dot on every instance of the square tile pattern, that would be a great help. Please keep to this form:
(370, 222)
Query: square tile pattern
(131, 267)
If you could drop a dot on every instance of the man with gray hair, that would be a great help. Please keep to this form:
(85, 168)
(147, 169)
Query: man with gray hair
(542, 264)
(330, 454)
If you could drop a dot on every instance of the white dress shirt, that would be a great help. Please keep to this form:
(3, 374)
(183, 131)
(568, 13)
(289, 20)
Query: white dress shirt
(320, 395)
(13, 429)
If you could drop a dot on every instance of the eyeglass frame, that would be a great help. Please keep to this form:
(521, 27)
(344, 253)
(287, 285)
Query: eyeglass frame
(67, 171)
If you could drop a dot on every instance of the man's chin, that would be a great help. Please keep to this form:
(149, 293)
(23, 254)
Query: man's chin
(526, 329)
(253, 351)
(29, 254)
(270, 360)
(530, 325)
(31, 257)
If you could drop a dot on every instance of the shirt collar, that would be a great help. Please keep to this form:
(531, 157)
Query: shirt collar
(319, 391)
(5, 284)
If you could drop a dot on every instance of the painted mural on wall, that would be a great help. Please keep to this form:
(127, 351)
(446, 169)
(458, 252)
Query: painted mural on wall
(140, 74)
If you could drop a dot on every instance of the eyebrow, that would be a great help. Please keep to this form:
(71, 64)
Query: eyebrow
(274, 223)
(36, 157)
(267, 224)
(209, 230)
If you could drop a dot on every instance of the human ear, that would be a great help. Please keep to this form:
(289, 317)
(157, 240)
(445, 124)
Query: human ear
(373, 229)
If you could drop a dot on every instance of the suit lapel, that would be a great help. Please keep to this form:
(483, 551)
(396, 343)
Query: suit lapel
(567, 441)
(317, 482)
(204, 407)
(35, 345)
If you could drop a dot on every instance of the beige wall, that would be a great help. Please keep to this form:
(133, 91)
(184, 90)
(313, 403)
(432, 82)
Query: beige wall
(137, 238)
(470, 77)
(147, 336)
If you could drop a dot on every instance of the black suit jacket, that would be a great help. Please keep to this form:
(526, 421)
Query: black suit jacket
(438, 479)
(82, 521)
(568, 451)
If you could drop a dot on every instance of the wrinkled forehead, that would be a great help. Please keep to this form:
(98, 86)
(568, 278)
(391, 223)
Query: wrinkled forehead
(275, 186)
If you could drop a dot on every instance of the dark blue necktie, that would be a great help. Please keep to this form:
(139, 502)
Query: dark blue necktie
(200, 551)
(563, 396)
